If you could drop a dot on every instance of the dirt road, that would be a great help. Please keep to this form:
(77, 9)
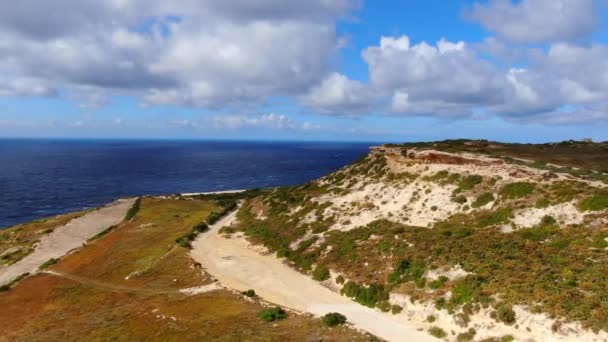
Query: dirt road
(68, 237)
(237, 265)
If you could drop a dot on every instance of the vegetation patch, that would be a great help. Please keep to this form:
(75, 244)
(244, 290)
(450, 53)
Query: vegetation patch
(333, 319)
(406, 270)
(517, 190)
(437, 332)
(483, 199)
(272, 314)
(595, 203)
(470, 182)
(47, 264)
(369, 296)
(321, 273)
(132, 212)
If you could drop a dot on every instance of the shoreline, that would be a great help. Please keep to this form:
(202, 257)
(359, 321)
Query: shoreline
(190, 194)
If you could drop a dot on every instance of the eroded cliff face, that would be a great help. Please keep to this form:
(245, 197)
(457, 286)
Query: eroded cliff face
(457, 240)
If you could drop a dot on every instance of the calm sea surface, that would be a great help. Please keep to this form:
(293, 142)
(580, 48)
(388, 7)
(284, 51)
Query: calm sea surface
(40, 178)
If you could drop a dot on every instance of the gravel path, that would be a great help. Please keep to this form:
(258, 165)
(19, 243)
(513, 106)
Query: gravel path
(68, 237)
(238, 266)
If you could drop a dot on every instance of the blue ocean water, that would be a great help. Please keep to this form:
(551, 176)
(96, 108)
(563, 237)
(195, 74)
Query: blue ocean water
(41, 178)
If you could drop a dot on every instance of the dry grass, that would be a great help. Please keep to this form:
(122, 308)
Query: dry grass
(100, 304)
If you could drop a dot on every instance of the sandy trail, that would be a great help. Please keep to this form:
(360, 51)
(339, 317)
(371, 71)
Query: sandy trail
(68, 237)
(236, 265)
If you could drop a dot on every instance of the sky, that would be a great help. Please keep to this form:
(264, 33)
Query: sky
(331, 70)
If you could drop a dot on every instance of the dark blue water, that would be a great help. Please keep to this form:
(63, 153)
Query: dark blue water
(40, 178)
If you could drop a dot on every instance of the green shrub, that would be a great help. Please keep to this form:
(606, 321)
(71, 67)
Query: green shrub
(548, 220)
(249, 293)
(420, 282)
(470, 182)
(406, 270)
(466, 336)
(133, 210)
(396, 309)
(384, 306)
(340, 279)
(48, 264)
(320, 273)
(438, 283)
(483, 199)
(460, 199)
(366, 295)
(542, 203)
(492, 218)
(517, 190)
(505, 314)
(440, 303)
(595, 203)
(4, 288)
(437, 332)
(272, 314)
(333, 319)
(430, 318)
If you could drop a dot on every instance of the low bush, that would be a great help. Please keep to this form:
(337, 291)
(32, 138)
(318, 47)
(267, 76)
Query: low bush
(48, 264)
(505, 314)
(470, 182)
(466, 336)
(384, 306)
(396, 309)
(333, 319)
(249, 293)
(492, 218)
(406, 271)
(483, 199)
(595, 203)
(321, 273)
(517, 190)
(272, 314)
(4, 288)
(437, 332)
(438, 283)
(460, 199)
(133, 210)
(340, 279)
(366, 295)
(186, 240)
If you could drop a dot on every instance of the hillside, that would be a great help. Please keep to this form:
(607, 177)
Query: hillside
(471, 239)
(459, 240)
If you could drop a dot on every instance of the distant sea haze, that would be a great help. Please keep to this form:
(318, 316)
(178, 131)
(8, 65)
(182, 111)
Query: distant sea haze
(41, 178)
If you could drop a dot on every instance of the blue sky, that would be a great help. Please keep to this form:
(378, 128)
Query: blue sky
(528, 70)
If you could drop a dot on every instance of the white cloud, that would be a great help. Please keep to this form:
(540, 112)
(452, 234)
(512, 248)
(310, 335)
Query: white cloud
(340, 96)
(198, 53)
(534, 21)
(264, 121)
(445, 79)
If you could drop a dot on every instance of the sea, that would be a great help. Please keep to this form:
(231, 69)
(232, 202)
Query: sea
(46, 177)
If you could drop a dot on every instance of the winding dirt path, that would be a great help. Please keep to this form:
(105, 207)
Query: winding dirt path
(238, 266)
(68, 237)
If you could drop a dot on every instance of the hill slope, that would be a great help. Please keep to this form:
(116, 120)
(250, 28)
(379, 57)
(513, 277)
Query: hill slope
(479, 239)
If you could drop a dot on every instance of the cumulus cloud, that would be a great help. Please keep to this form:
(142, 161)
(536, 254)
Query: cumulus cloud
(339, 95)
(442, 79)
(535, 21)
(199, 53)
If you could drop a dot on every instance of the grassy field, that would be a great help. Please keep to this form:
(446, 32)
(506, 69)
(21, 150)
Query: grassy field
(125, 286)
